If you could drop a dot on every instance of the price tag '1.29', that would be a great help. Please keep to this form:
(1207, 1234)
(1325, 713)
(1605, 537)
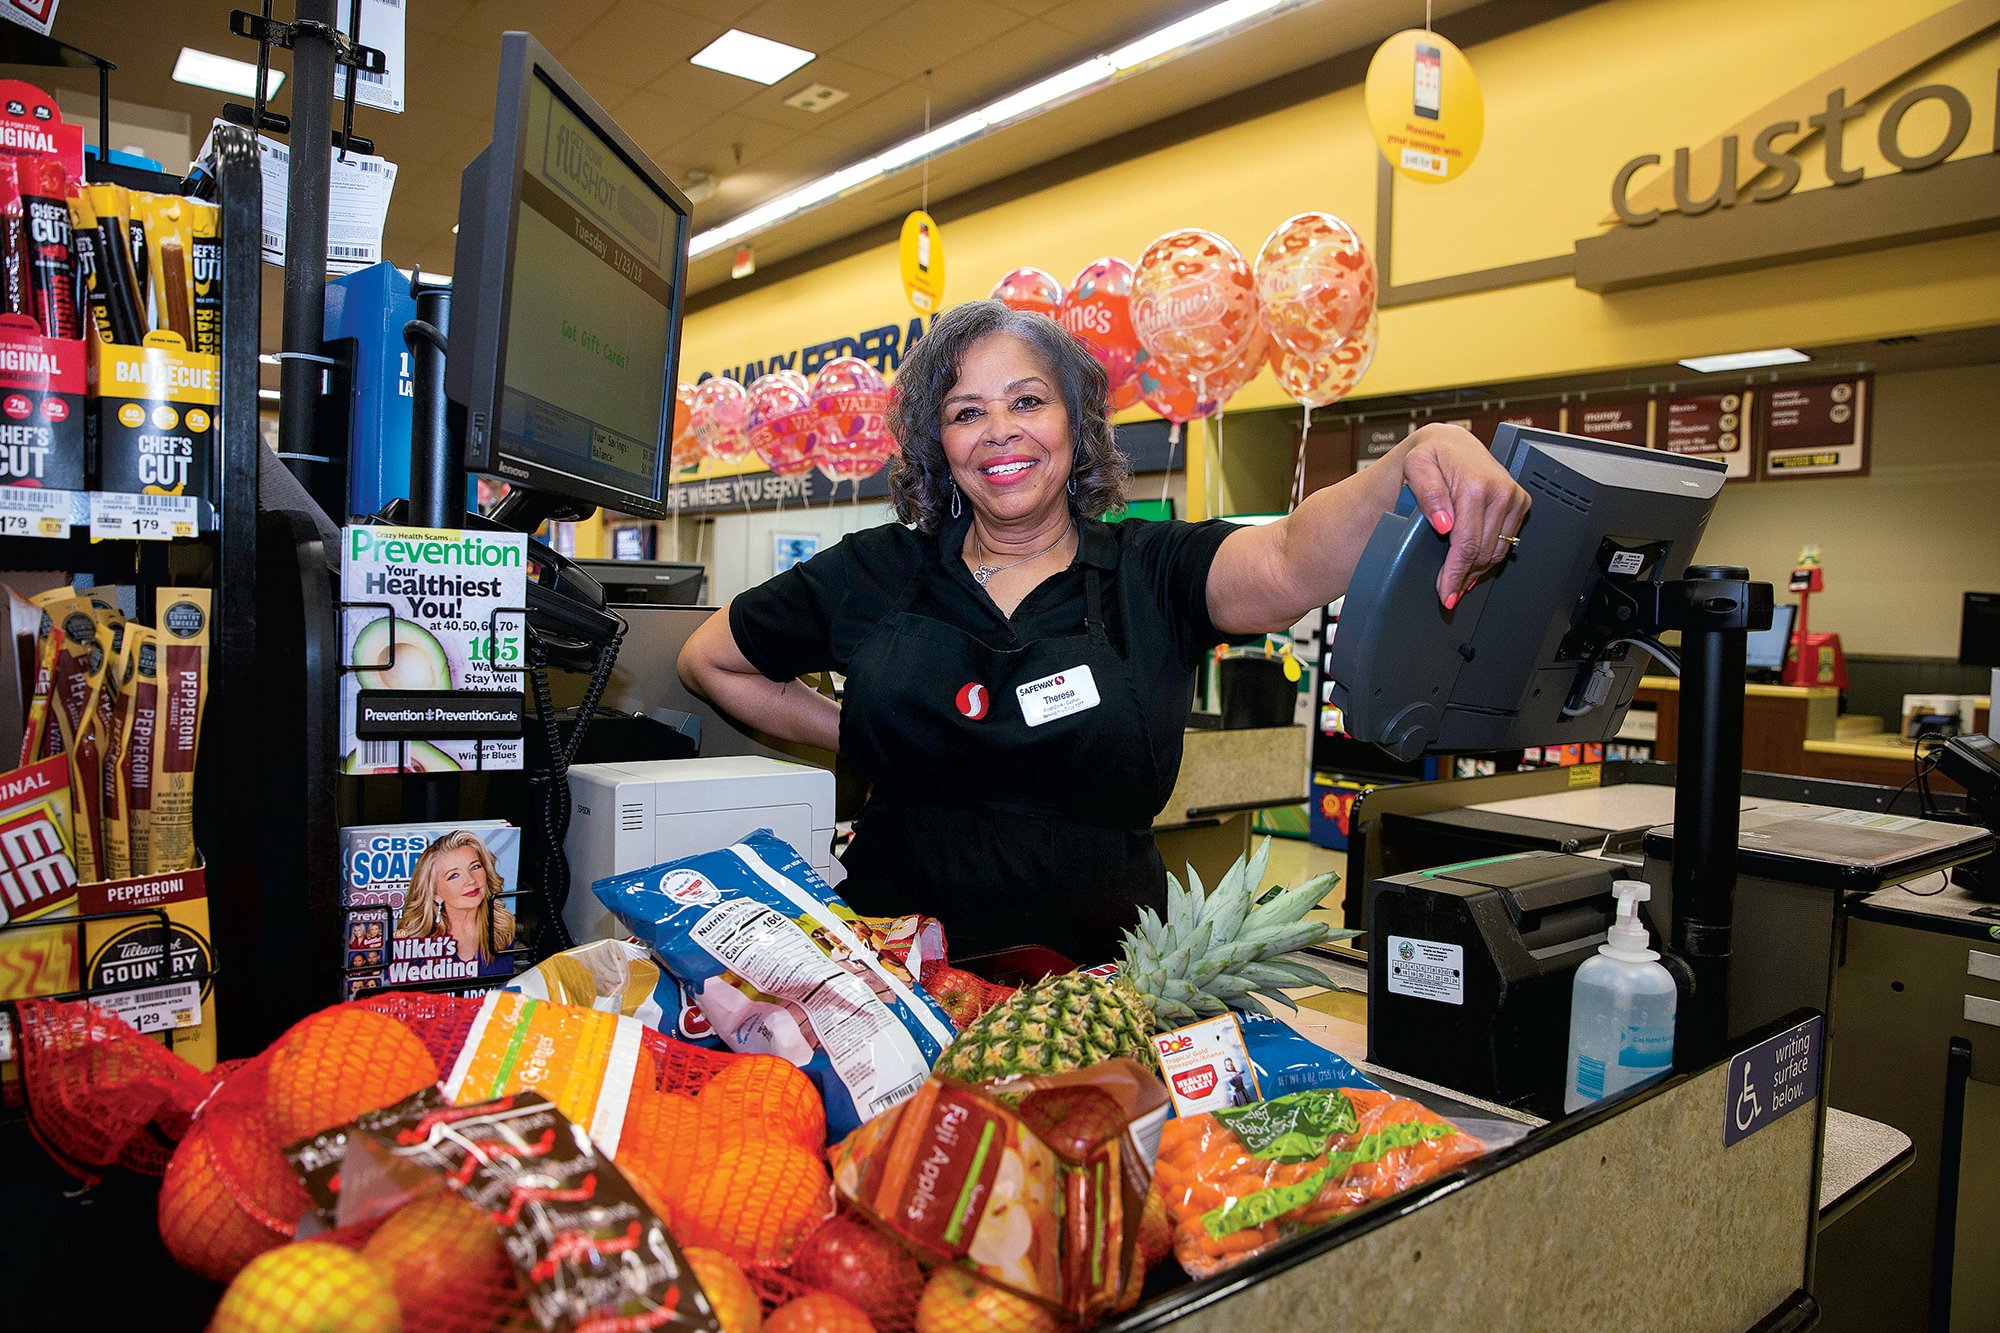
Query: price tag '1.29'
(143, 517)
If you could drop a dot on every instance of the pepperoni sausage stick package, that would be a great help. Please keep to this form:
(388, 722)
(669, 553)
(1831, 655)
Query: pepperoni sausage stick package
(1239, 1181)
(778, 966)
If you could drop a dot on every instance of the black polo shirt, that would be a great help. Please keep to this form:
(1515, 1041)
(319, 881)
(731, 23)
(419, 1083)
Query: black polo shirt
(810, 617)
(1155, 589)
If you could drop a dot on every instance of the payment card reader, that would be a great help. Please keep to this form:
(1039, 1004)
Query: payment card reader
(1470, 974)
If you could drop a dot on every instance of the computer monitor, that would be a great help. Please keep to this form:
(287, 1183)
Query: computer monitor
(1979, 630)
(1765, 655)
(648, 582)
(566, 296)
(1502, 670)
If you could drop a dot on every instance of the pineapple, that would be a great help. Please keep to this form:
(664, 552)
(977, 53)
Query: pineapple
(1214, 950)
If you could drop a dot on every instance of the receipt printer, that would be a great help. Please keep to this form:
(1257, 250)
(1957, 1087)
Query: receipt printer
(1470, 967)
(633, 815)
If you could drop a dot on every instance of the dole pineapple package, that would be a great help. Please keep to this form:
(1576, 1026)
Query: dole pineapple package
(777, 964)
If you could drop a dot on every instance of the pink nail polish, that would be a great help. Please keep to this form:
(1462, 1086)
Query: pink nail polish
(1441, 521)
(1451, 602)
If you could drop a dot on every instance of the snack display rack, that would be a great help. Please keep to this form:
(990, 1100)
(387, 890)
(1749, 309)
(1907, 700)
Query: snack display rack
(222, 557)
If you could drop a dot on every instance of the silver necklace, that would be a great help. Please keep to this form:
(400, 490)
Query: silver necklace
(985, 571)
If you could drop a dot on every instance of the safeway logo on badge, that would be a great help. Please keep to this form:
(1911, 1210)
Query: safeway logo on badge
(1195, 1082)
(973, 699)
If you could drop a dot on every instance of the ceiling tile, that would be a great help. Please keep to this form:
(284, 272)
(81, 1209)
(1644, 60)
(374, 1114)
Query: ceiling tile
(889, 118)
(921, 36)
(553, 25)
(458, 77)
(1013, 60)
(1113, 21)
(861, 85)
(814, 25)
(704, 87)
(437, 15)
(656, 123)
(637, 42)
(715, 149)
(730, 12)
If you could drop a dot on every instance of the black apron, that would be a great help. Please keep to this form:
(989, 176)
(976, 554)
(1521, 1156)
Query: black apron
(1009, 834)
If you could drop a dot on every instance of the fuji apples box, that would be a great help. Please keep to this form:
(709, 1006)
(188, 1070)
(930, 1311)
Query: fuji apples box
(143, 952)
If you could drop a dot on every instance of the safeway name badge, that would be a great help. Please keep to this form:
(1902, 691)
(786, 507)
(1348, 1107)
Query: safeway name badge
(1051, 697)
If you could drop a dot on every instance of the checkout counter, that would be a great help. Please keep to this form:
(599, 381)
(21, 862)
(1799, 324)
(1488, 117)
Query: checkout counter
(1841, 906)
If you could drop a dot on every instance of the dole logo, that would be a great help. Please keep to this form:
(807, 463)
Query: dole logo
(1174, 1043)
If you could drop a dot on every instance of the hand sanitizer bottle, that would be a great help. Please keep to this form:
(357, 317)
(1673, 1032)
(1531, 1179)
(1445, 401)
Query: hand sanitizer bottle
(1621, 1009)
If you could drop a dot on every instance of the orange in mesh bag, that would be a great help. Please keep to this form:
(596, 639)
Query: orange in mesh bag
(1236, 1182)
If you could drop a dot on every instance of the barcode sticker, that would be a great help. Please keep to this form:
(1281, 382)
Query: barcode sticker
(6, 1038)
(381, 28)
(34, 511)
(359, 188)
(380, 754)
(157, 1008)
(156, 518)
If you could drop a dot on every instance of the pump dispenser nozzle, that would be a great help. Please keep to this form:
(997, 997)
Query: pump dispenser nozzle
(1627, 937)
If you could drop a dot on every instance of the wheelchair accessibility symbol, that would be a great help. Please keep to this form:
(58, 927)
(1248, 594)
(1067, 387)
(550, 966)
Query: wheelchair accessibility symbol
(1772, 1079)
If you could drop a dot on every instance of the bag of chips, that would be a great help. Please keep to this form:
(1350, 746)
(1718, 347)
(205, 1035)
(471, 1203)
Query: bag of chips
(777, 964)
(1239, 1181)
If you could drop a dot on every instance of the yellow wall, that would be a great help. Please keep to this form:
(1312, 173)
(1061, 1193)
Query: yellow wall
(1567, 102)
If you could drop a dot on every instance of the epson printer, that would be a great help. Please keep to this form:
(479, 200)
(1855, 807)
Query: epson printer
(628, 816)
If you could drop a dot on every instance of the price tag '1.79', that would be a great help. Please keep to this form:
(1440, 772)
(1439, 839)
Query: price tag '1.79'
(143, 517)
(34, 511)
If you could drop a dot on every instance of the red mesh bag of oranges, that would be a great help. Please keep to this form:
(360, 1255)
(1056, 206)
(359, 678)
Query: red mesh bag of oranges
(1238, 1181)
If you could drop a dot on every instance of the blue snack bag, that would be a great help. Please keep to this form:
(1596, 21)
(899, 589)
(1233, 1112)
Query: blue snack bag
(770, 954)
(1287, 1061)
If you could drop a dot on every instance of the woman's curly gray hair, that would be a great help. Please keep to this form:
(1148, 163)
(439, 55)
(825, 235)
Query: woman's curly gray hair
(920, 478)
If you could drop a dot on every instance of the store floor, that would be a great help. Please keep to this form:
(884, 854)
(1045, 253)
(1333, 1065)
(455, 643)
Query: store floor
(1294, 859)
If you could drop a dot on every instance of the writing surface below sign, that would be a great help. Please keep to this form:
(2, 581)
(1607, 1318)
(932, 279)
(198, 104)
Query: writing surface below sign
(1710, 425)
(1772, 1079)
(1817, 428)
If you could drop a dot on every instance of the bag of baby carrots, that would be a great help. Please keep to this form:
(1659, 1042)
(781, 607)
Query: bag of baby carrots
(1240, 1180)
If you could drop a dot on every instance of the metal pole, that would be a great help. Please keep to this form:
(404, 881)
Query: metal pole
(1706, 817)
(300, 374)
(437, 482)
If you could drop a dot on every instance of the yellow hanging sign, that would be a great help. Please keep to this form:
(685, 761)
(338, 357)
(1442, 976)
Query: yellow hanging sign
(923, 263)
(1424, 106)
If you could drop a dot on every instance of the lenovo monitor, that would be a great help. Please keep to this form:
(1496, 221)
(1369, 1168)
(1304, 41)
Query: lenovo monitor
(566, 297)
(1509, 666)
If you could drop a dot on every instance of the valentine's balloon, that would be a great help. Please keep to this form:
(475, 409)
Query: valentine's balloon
(852, 400)
(1229, 381)
(1316, 282)
(1165, 392)
(1032, 290)
(783, 422)
(1326, 379)
(1097, 309)
(685, 452)
(720, 419)
(1194, 303)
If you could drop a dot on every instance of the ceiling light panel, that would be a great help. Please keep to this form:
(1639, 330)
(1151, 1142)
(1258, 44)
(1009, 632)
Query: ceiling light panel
(205, 69)
(1770, 356)
(1175, 39)
(749, 56)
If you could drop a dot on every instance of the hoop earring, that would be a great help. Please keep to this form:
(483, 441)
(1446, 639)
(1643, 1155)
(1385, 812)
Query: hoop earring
(955, 507)
(1072, 485)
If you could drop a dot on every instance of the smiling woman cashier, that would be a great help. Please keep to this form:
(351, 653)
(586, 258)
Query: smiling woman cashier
(1019, 672)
